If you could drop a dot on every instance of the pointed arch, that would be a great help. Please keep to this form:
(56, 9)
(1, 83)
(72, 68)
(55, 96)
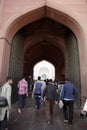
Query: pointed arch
(44, 69)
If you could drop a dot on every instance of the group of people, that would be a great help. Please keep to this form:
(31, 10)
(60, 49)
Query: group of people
(45, 91)
(52, 94)
(6, 91)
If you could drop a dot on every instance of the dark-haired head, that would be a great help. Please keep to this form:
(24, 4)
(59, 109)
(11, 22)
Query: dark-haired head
(39, 78)
(25, 77)
(9, 79)
(67, 79)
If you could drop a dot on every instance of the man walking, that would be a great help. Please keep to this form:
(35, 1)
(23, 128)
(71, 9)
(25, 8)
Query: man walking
(67, 94)
(37, 92)
(22, 93)
(50, 93)
(5, 111)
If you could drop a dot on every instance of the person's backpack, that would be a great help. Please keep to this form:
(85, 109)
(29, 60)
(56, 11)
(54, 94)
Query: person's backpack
(38, 88)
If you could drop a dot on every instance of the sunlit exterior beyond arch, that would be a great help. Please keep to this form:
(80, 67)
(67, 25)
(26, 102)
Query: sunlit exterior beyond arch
(44, 69)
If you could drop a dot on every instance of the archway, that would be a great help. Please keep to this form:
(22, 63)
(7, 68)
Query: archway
(45, 70)
(45, 39)
(55, 15)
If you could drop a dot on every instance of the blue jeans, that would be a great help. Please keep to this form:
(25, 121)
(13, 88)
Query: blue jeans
(21, 101)
(38, 100)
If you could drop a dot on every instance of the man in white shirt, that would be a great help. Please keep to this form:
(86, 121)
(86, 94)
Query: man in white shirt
(4, 112)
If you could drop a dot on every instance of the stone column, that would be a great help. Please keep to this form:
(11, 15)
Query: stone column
(72, 61)
(16, 61)
(4, 59)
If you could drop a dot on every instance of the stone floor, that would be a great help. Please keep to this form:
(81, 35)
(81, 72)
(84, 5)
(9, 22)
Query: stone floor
(30, 119)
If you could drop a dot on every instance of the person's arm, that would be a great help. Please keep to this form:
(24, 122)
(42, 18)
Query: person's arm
(44, 92)
(9, 90)
(18, 85)
(42, 88)
(74, 90)
(27, 88)
(56, 93)
(62, 92)
(34, 88)
(33, 92)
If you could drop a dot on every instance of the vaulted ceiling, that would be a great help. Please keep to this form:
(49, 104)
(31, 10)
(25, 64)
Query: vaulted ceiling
(44, 40)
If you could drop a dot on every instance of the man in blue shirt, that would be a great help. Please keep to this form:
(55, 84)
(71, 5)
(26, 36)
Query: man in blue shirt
(37, 92)
(67, 94)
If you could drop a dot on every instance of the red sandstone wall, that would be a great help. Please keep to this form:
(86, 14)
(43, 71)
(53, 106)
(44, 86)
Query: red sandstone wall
(77, 9)
(13, 9)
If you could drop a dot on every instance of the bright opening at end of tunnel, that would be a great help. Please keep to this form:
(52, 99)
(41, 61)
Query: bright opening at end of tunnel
(45, 70)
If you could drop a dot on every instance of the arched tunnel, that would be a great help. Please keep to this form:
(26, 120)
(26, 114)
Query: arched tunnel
(45, 39)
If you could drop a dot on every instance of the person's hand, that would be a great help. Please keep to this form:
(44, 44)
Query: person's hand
(10, 110)
(27, 94)
(42, 99)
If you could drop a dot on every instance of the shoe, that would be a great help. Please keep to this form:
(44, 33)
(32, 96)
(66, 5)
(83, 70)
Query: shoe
(70, 125)
(83, 115)
(6, 128)
(36, 107)
(65, 121)
(19, 110)
(48, 122)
